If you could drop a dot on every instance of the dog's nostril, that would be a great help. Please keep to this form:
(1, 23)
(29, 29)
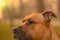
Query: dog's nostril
(14, 29)
(20, 26)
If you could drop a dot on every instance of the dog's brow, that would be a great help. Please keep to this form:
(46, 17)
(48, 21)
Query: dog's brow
(25, 20)
(29, 19)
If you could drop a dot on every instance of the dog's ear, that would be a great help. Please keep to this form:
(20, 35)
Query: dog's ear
(48, 15)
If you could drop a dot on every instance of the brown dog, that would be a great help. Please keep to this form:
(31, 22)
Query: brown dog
(36, 26)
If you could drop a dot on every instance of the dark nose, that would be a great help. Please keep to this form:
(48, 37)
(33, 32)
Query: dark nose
(17, 32)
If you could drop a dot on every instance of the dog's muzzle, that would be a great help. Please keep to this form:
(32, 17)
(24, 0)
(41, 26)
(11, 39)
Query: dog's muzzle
(20, 34)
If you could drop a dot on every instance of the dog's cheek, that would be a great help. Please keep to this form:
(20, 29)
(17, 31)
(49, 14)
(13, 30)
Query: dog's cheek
(36, 32)
(32, 26)
(40, 29)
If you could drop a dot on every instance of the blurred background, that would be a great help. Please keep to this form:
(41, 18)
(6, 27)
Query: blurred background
(13, 11)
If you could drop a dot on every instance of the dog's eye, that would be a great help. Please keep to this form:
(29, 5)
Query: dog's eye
(30, 22)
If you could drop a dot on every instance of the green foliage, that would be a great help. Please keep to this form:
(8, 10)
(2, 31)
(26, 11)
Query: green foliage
(6, 32)
(57, 30)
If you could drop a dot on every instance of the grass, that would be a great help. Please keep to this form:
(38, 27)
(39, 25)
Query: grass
(57, 30)
(5, 32)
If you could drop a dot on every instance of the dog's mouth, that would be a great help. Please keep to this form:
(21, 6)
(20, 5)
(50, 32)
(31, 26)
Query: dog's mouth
(20, 34)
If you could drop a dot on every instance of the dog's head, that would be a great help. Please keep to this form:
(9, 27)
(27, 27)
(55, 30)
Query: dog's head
(34, 24)
(38, 18)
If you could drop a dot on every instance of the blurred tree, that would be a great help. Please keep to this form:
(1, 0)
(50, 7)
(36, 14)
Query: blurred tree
(21, 7)
(9, 14)
(28, 6)
(40, 5)
(59, 8)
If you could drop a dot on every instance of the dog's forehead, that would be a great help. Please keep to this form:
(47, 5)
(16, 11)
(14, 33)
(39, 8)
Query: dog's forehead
(34, 16)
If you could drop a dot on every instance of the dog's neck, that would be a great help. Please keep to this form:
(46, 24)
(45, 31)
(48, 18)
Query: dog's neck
(47, 24)
(50, 35)
(54, 35)
(47, 35)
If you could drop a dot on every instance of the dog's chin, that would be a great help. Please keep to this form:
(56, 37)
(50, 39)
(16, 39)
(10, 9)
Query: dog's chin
(20, 34)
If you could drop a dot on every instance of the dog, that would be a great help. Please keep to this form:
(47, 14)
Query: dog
(36, 26)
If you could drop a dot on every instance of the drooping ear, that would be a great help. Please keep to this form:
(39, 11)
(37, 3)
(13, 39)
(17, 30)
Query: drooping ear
(48, 15)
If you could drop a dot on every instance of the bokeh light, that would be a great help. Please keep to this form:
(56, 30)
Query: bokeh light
(2, 3)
